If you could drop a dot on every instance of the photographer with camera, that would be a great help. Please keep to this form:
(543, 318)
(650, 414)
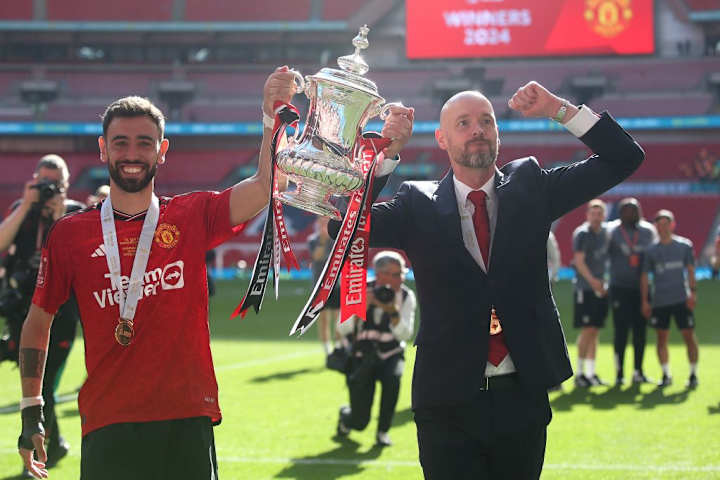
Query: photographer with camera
(378, 347)
(22, 234)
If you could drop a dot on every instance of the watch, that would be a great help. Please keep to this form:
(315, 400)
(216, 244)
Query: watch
(560, 115)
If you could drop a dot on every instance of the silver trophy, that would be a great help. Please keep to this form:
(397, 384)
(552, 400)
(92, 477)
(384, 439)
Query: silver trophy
(321, 162)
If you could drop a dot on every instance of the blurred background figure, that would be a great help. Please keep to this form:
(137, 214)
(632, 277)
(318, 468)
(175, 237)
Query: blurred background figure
(671, 262)
(715, 259)
(378, 347)
(630, 236)
(554, 258)
(590, 247)
(22, 234)
(100, 194)
(319, 245)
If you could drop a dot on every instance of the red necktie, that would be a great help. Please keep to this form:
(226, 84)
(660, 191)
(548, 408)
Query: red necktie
(497, 350)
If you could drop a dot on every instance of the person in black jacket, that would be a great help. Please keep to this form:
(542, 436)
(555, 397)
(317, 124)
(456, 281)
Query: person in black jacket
(490, 342)
(22, 233)
(378, 347)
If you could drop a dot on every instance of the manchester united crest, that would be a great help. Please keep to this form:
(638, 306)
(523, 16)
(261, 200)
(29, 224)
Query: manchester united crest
(166, 235)
(608, 17)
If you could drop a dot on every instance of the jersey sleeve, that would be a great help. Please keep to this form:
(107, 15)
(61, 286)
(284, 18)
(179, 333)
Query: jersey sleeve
(578, 241)
(54, 279)
(689, 255)
(217, 218)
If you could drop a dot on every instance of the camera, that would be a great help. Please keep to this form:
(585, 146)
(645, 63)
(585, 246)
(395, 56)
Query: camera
(384, 294)
(47, 190)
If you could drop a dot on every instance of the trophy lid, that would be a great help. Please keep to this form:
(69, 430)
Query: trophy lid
(353, 67)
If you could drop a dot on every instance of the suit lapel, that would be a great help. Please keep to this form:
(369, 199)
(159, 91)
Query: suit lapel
(499, 239)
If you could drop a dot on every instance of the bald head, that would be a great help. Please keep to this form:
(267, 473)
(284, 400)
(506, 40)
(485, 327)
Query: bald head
(463, 99)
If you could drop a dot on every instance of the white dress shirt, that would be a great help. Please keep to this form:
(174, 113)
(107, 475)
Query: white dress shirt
(578, 126)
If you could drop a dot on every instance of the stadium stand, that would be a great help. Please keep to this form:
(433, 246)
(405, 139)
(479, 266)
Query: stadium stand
(233, 11)
(341, 10)
(699, 5)
(229, 78)
(652, 104)
(89, 10)
(16, 11)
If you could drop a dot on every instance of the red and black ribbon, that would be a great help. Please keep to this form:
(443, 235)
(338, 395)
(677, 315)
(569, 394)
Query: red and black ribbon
(358, 213)
(285, 115)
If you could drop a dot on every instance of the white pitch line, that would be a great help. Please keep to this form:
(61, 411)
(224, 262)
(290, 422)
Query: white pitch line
(416, 463)
(321, 461)
(265, 361)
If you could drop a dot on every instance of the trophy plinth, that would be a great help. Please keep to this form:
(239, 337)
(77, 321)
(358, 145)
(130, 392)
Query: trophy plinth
(321, 162)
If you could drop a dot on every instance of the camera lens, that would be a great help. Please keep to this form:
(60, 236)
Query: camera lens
(384, 294)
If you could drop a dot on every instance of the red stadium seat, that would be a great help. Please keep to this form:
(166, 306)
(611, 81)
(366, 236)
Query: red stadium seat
(236, 11)
(89, 10)
(341, 10)
(11, 10)
(699, 5)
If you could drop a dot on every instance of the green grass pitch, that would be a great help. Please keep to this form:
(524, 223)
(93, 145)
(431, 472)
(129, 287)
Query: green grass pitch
(280, 406)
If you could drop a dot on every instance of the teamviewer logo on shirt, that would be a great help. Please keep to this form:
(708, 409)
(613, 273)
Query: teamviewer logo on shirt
(173, 276)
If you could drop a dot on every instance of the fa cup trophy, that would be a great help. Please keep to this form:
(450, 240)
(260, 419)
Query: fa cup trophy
(323, 160)
(330, 157)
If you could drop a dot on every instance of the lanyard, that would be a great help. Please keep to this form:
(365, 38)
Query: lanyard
(632, 243)
(128, 301)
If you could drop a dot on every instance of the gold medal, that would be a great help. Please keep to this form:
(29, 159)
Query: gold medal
(124, 332)
(495, 326)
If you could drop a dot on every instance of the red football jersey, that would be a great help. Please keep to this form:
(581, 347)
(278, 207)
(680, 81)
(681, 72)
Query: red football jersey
(167, 371)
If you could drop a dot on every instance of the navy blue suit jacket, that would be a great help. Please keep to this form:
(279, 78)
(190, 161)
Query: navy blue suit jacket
(455, 295)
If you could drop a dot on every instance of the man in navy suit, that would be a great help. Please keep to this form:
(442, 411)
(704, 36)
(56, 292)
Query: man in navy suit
(490, 343)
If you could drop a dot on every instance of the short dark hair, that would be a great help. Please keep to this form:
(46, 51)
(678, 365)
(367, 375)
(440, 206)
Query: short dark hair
(133, 106)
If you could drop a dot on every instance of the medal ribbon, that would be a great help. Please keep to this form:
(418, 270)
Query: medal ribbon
(275, 238)
(359, 204)
(128, 300)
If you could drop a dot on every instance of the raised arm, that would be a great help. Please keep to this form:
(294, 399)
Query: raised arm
(616, 157)
(10, 226)
(251, 195)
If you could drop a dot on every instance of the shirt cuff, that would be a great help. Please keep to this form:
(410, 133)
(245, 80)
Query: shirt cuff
(583, 121)
(387, 167)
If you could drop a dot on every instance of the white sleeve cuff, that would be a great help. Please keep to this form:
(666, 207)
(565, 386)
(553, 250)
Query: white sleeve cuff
(31, 402)
(387, 167)
(583, 121)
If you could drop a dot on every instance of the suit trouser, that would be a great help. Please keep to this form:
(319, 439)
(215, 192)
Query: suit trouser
(362, 392)
(500, 434)
(627, 314)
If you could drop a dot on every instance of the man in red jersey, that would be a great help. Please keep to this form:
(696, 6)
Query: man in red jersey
(136, 264)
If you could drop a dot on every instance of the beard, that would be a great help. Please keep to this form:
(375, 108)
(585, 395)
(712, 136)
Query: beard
(131, 185)
(477, 159)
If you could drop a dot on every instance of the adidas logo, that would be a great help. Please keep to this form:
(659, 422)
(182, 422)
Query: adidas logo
(99, 251)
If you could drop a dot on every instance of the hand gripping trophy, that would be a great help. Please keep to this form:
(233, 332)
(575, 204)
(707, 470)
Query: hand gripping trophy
(330, 157)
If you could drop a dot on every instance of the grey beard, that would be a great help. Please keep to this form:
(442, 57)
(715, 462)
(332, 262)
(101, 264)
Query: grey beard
(477, 160)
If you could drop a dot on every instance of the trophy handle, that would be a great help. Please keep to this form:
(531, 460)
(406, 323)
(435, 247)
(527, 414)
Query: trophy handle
(299, 81)
(385, 110)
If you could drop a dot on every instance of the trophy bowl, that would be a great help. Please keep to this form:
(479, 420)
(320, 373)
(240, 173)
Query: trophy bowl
(323, 161)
